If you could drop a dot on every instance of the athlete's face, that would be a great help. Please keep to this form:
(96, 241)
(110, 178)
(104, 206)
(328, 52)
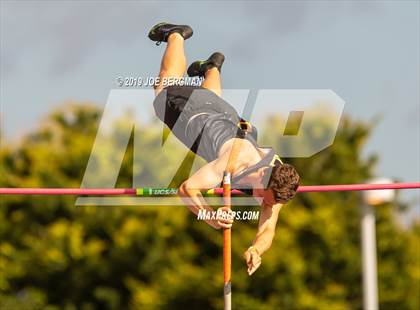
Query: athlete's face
(269, 197)
(266, 194)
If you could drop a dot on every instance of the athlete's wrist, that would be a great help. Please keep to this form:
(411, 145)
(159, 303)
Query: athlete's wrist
(254, 249)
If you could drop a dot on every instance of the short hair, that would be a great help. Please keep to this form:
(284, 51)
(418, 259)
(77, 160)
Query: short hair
(284, 182)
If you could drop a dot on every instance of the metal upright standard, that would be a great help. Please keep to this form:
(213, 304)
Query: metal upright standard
(227, 290)
(368, 233)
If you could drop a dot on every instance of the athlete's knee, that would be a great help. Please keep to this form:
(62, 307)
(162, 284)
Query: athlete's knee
(166, 73)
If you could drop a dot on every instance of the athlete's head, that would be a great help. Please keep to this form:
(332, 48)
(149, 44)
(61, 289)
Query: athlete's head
(283, 182)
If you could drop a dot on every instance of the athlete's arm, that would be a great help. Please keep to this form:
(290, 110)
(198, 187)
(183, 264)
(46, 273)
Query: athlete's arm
(265, 235)
(206, 177)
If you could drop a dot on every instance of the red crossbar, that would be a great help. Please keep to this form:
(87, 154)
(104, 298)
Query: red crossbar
(217, 191)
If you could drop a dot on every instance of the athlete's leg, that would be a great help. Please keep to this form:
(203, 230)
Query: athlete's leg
(210, 70)
(212, 81)
(173, 63)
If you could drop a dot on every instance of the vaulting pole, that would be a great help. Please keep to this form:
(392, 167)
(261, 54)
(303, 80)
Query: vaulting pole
(227, 260)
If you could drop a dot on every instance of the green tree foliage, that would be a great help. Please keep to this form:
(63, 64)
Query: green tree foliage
(54, 255)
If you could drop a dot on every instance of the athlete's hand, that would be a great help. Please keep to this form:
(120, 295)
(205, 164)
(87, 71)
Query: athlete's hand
(253, 259)
(226, 220)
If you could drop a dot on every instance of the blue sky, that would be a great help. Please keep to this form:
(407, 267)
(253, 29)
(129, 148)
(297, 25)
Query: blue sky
(367, 52)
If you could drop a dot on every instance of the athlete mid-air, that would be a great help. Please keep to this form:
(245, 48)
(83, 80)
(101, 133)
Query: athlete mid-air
(212, 129)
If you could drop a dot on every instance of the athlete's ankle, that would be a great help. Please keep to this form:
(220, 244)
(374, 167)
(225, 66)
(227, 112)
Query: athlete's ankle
(175, 36)
(211, 71)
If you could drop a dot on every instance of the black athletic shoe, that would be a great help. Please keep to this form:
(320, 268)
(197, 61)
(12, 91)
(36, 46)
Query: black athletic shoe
(161, 32)
(199, 68)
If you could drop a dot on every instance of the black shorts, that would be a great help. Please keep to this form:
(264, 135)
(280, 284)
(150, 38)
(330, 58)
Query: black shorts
(172, 100)
(199, 118)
